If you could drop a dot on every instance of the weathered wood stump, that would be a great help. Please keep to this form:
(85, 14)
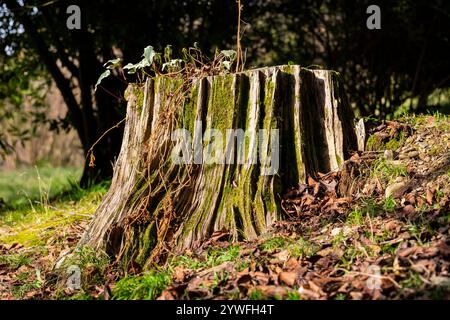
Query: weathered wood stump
(157, 204)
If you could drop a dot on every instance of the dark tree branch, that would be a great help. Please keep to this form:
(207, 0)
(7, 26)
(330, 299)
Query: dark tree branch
(86, 87)
(60, 52)
(51, 63)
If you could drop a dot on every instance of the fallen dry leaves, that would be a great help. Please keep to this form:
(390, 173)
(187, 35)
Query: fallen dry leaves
(337, 244)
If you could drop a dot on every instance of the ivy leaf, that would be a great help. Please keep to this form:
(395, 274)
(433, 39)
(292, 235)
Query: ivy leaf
(131, 67)
(147, 60)
(137, 66)
(102, 76)
(226, 64)
(113, 63)
(149, 55)
(229, 54)
(172, 64)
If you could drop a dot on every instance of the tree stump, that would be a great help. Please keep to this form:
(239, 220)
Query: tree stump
(157, 205)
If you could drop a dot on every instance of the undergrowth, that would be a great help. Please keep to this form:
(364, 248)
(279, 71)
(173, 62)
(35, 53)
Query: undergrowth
(147, 286)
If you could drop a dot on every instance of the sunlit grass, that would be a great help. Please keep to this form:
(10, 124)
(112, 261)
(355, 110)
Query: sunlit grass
(33, 223)
(33, 185)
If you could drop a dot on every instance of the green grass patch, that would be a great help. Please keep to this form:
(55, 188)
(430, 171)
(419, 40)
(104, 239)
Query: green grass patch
(413, 281)
(387, 171)
(92, 264)
(15, 261)
(256, 294)
(302, 248)
(211, 258)
(389, 204)
(372, 144)
(355, 217)
(368, 208)
(33, 185)
(144, 287)
(19, 291)
(375, 143)
(296, 247)
(34, 225)
(274, 243)
(292, 295)
(340, 296)
(87, 257)
(339, 239)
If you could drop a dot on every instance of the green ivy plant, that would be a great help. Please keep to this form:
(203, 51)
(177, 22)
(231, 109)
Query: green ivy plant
(156, 63)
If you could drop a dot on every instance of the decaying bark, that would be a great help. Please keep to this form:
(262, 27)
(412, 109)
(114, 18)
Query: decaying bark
(155, 205)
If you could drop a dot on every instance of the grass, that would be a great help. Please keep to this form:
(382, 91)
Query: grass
(15, 261)
(256, 294)
(339, 239)
(292, 296)
(274, 243)
(34, 225)
(19, 291)
(369, 207)
(45, 225)
(296, 247)
(91, 265)
(389, 204)
(374, 144)
(220, 278)
(396, 143)
(213, 257)
(144, 287)
(302, 248)
(387, 171)
(33, 185)
(91, 262)
(149, 285)
(355, 217)
(340, 296)
(412, 281)
(416, 231)
(42, 200)
(435, 150)
(437, 119)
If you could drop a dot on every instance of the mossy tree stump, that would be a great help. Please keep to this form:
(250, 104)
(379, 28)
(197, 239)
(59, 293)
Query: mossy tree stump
(155, 205)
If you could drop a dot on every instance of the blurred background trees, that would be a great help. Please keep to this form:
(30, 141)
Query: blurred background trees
(402, 67)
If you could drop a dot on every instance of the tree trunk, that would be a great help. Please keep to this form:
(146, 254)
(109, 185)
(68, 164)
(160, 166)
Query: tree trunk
(156, 205)
(108, 115)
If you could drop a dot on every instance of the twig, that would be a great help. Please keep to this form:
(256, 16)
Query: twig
(238, 39)
(90, 151)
